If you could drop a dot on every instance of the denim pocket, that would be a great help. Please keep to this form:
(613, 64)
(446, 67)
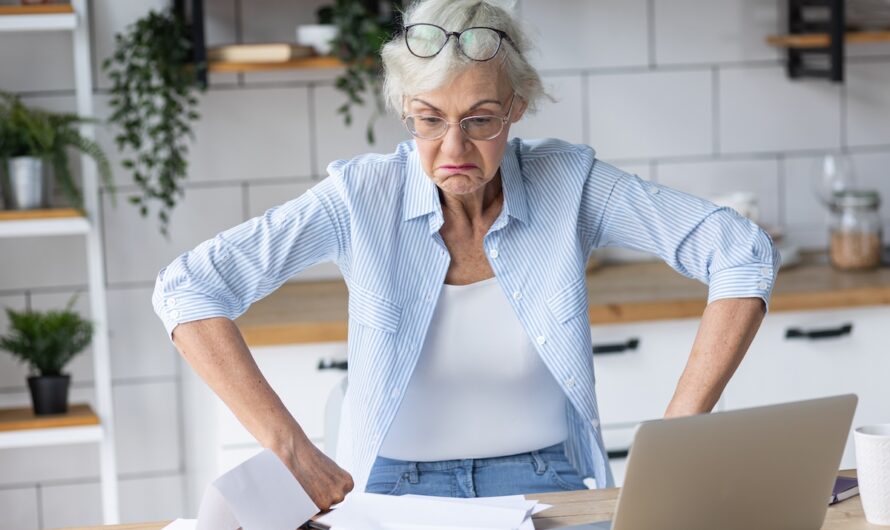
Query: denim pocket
(386, 480)
(563, 475)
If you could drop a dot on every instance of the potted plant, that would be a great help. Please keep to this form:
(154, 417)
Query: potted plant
(153, 102)
(46, 341)
(29, 138)
(321, 35)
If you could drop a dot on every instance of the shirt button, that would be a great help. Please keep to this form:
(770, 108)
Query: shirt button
(570, 382)
(171, 302)
(762, 285)
(395, 393)
(494, 253)
(595, 423)
(517, 295)
(429, 297)
(653, 190)
(174, 313)
(542, 339)
(766, 271)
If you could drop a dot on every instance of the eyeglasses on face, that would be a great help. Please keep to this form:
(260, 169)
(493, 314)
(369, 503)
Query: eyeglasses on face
(429, 127)
(477, 43)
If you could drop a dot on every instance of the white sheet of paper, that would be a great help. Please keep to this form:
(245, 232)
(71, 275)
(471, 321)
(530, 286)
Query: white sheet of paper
(386, 512)
(259, 494)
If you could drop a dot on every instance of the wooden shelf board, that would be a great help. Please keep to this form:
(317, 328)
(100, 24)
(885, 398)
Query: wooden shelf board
(294, 64)
(48, 213)
(45, 9)
(23, 418)
(822, 40)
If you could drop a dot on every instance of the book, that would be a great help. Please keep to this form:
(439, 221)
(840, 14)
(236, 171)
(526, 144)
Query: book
(259, 53)
(844, 488)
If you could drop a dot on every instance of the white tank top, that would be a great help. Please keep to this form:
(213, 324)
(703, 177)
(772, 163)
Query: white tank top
(479, 389)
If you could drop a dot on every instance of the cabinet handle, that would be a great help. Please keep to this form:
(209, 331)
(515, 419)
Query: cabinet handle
(618, 453)
(330, 364)
(818, 334)
(621, 347)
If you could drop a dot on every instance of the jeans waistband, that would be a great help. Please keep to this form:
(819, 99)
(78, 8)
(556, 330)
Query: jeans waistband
(451, 464)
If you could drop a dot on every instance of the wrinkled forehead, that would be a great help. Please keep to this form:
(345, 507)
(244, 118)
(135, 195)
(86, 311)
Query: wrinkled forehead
(478, 82)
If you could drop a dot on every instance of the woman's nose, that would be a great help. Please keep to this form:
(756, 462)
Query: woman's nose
(454, 143)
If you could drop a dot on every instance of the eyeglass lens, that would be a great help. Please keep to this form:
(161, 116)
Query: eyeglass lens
(475, 127)
(426, 40)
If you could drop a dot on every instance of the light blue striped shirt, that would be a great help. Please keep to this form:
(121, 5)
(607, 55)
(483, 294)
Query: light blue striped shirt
(378, 218)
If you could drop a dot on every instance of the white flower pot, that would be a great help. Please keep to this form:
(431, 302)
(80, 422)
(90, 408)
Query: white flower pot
(27, 185)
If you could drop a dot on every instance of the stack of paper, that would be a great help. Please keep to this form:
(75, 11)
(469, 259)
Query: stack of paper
(369, 511)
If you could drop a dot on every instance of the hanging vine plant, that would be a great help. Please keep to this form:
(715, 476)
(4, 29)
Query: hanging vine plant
(362, 29)
(154, 101)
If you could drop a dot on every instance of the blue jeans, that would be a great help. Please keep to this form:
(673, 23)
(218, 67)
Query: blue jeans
(538, 471)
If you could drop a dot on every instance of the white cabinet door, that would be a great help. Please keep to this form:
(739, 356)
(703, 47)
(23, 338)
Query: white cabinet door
(636, 382)
(827, 353)
(293, 372)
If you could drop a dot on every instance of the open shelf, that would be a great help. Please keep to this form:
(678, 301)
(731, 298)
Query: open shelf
(293, 64)
(37, 18)
(19, 427)
(823, 40)
(48, 222)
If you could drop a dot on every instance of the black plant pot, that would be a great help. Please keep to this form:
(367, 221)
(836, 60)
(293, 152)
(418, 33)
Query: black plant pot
(49, 393)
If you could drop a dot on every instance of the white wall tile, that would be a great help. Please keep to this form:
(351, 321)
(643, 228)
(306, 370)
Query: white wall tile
(32, 262)
(587, 34)
(81, 367)
(338, 141)
(35, 60)
(220, 20)
(712, 178)
(69, 505)
(139, 344)
(655, 114)
(251, 133)
(276, 20)
(868, 103)
(135, 250)
(262, 197)
(709, 31)
(563, 118)
(12, 371)
(110, 17)
(19, 509)
(147, 427)
(762, 110)
(152, 499)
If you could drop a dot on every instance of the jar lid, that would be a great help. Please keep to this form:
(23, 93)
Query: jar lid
(857, 199)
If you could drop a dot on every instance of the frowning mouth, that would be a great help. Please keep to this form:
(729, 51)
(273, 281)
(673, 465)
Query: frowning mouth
(457, 168)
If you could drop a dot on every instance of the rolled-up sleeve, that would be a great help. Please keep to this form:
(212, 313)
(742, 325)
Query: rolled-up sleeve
(712, 244)
(224, 275)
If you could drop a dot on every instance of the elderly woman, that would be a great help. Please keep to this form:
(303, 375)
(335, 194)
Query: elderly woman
(470, 368)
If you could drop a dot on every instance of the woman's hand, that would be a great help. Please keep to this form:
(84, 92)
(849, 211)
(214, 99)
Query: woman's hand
(325, 482)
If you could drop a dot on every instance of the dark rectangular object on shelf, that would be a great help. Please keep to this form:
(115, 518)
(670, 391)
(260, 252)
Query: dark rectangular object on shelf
(812, 16)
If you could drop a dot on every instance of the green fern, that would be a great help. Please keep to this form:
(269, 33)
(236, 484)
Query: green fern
(46, 340)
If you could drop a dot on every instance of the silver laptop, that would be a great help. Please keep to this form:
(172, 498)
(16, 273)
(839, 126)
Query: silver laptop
(762, 468)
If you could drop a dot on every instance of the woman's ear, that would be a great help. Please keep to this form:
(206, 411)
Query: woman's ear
(519, 109)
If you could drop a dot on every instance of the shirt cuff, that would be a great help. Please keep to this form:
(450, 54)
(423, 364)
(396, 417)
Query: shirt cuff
(754, 280)
(178, 307)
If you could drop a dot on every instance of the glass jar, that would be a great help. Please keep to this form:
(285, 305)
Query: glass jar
(855, 230)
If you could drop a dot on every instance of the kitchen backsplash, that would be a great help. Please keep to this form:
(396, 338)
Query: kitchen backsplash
(684, 92)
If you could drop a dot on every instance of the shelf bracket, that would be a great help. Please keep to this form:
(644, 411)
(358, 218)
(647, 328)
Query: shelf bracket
(195, 21)
(817, 16)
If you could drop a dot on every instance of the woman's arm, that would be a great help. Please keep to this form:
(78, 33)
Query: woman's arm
(727, 328)
(217, 352)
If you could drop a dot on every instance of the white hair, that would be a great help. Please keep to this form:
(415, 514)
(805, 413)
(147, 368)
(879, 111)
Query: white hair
(405, 74)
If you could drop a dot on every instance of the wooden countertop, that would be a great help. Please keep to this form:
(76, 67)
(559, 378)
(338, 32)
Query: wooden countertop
(588, 506)
(304, 312)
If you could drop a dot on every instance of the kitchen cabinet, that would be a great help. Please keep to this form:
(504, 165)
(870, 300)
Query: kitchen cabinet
(846, 352)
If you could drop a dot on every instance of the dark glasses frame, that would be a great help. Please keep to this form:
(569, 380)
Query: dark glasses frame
(456, 34)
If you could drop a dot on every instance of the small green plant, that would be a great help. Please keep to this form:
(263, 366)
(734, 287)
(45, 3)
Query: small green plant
(154, 102)
(46, 340)
(26, 131)
(360, 36)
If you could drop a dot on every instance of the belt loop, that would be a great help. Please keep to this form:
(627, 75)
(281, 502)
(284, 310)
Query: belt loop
(413, 473)
(540, 463)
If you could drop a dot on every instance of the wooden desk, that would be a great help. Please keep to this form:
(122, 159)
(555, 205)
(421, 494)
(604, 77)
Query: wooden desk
(587, 506)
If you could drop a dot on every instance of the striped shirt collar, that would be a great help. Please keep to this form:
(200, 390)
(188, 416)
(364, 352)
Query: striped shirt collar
(422, 195)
